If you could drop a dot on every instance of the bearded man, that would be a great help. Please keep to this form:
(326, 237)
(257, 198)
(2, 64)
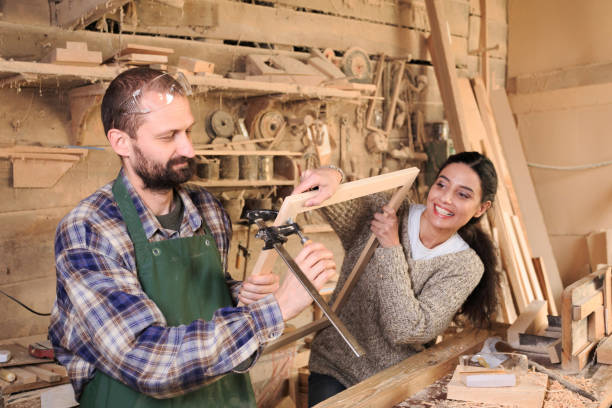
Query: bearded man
(146, 313)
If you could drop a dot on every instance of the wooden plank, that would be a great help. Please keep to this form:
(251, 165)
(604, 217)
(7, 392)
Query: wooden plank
(145, 49)
(78, 14)
(538, 266)
(532, 320)
(444, 65)
(508, 305)
(584, 307)
(228, 20)
(41, 373)
(599, 73)
(405, 13)
(525, 252)
(393, 385)
(533, 219)
(554, 352)
(474, 126)
(143, 59)
(604, 351)
(516, 254)
(529, 392)
(24, 376)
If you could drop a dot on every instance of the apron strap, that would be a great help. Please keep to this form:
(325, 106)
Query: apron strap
(129, 214)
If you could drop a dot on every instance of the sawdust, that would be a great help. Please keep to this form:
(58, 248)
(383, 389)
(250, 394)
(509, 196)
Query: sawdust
(557, 396)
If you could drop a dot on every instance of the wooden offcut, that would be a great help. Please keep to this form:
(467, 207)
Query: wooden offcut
(528, 393)
(195, 65)
(75, 53)
(604, 351)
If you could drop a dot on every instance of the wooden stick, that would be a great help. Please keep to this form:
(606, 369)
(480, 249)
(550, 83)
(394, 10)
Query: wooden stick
(562, 381)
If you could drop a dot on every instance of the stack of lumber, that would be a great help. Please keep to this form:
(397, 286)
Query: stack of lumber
(485, 124)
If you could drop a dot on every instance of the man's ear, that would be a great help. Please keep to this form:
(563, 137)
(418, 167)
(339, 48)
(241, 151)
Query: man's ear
(120, 142)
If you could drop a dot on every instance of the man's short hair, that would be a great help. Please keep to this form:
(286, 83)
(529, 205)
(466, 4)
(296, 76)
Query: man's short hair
(114, 112)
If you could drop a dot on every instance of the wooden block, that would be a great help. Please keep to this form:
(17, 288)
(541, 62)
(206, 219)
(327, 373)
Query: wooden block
(596, 329)
(587, 305)
(532, 320)
(145, 49)
(292, 65)
(600, 248)
(143, 59)
(554, 352)
(43, 374)
(195, 65)
(529, 393)
(258, 64)
(604, 351)
(536, 343)
(24, 376)
(77, 54)
(55, 368)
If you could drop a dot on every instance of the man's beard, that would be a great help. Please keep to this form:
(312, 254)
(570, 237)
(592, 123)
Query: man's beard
(156, 176)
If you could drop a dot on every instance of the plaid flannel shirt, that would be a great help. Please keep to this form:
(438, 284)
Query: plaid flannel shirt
(103, 320)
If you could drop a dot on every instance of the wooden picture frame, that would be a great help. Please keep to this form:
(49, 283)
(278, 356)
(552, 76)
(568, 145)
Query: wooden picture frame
(294, 205)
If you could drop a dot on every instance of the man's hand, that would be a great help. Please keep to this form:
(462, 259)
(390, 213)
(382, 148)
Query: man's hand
(385, 227)
(317, 263)
(256, 287)
(326, 179)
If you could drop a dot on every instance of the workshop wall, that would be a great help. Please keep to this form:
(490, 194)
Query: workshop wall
(35, 110)
(559, 80)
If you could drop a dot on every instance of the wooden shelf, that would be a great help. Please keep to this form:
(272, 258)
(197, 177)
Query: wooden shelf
(243, 183)
(26, 73)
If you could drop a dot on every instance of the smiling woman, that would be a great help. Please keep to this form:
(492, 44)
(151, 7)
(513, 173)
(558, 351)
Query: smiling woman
(433, 263)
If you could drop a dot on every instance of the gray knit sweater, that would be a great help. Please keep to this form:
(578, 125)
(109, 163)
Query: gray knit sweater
(398, 303)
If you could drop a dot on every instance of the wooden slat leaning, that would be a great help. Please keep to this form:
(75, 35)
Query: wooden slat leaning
(294, 205)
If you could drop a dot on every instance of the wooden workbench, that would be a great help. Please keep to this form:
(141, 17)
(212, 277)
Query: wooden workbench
(420, 380)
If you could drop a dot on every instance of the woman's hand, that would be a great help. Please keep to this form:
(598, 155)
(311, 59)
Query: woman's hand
(257, 287)
(317, 263)
(326, 179)
(386, 228)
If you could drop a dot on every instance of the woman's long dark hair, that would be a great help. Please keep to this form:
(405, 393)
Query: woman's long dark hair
(482, 302)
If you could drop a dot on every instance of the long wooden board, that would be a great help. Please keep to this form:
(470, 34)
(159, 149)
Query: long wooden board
(20, 356)
(393, 385)
(525, 191)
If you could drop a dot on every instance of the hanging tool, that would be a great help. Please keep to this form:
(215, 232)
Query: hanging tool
(274, 237)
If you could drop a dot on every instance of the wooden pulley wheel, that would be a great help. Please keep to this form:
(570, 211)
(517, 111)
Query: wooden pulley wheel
(221, 124)
(270, 123)
(356, 65)
(377, 142)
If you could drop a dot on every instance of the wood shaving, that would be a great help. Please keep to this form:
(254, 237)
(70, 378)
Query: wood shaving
(557, 396)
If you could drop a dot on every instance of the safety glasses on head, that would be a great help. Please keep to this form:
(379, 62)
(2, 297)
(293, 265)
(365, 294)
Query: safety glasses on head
(180, 86)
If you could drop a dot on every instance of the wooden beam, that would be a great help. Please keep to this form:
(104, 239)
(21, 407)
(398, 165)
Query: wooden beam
(446, 73)
(530, 209)
(78, 14)
(393, 385)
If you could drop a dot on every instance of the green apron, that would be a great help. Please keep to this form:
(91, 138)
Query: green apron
(184, 278)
